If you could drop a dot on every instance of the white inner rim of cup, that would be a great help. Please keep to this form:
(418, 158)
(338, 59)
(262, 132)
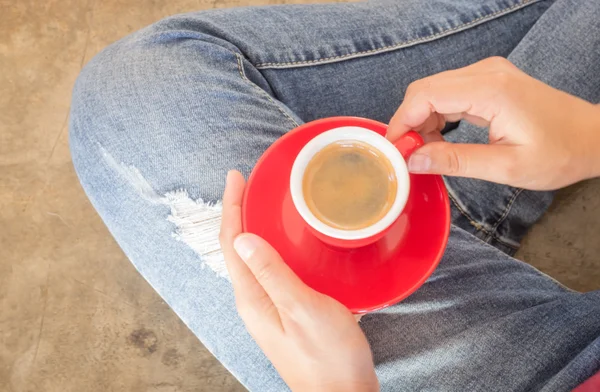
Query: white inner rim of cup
(349, 133)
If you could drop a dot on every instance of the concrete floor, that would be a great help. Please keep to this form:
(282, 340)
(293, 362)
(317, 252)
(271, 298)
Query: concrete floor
(74, 314)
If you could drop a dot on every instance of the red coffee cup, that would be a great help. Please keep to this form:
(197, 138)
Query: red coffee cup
(365, 278)
(397, 153)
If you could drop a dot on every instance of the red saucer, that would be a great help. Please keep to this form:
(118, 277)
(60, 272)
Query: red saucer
(363, 279)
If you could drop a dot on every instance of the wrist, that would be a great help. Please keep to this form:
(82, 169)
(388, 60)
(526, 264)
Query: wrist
(594, 146)
(589, 162)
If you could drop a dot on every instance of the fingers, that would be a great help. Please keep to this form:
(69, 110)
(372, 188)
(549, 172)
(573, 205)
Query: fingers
(482, 161)
(472, 92)
(282, 285)
(252, 300)
(432, 125)
(471, 95)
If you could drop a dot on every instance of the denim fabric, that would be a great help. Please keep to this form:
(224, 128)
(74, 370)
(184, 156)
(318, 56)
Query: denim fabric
(159, 117)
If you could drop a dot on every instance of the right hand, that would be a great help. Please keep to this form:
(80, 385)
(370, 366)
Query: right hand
(539, 138)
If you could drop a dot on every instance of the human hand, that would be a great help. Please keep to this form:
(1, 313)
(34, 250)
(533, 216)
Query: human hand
(313, 341)
(539, 138)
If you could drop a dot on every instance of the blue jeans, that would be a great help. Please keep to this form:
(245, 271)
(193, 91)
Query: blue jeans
(159, 117)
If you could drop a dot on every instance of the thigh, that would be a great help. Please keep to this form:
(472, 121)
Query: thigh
(486, 322)
(158, 118)
(358, 58)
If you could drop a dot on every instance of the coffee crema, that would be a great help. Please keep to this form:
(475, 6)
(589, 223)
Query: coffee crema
(349, 185)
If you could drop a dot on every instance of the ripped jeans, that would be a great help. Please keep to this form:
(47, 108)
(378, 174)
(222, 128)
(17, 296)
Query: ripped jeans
(159, 117)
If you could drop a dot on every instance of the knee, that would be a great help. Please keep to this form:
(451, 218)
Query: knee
(141, 76)
(118, 93)
(102, 92)
(152, 96)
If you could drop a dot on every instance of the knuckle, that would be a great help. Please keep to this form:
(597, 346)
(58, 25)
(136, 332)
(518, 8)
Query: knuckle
(264, 272)
(502, 80)
(293, 309)
(410, 89)
(501, 71)
(495, 62)
(418, 87)
(455, 164)
(501, 86)
(425, 86)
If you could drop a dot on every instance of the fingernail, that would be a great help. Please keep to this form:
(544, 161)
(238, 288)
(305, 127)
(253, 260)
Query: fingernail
(419, 163)
(245, 246)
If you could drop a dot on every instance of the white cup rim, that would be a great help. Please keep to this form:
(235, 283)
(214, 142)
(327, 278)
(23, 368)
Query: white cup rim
(363, 135)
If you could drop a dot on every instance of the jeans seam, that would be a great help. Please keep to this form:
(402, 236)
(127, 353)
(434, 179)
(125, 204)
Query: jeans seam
(401, 45)
(263, 92)
(506, 210)
(480, 227)
(498, 239)
(472, 221)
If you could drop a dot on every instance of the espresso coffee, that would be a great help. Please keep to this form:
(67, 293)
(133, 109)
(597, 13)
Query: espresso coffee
(349, 185)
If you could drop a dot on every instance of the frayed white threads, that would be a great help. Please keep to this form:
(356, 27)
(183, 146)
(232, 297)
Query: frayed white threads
(197, 223)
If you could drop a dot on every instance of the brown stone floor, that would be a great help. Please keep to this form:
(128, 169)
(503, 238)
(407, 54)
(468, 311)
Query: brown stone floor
(74, 314)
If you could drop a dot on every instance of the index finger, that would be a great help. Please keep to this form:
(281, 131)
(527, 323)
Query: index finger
(471, 91)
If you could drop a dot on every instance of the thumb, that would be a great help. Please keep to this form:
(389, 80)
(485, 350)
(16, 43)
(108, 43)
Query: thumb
(277, 279)
(489, 162)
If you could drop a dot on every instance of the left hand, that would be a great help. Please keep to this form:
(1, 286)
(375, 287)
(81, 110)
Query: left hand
(313, 341)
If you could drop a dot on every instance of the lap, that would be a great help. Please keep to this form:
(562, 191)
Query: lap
(159, 118)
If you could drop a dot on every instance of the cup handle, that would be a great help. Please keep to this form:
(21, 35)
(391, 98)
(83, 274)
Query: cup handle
(409, 143)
